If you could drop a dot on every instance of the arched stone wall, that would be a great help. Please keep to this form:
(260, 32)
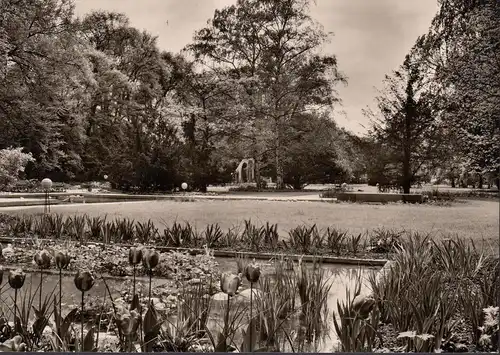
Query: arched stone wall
(245, 172)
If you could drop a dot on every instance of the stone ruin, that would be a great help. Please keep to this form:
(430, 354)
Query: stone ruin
(245, 172)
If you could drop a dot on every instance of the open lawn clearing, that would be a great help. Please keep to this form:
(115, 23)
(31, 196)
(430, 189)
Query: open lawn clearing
(472, 219)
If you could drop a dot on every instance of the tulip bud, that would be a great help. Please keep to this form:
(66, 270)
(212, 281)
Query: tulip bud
(150, 258)
(363, 305)
(42, 259)
(84, 280)
(252, 272)
(229, 283)
(16, 278)
(62, 260)
(134, 255)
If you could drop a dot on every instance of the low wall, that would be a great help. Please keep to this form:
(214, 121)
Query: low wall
(379, 197)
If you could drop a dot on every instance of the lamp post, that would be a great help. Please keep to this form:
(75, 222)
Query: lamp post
(184, 186)
(46, 185)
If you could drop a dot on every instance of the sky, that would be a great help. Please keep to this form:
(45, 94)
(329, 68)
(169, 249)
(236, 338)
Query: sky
(371, 37)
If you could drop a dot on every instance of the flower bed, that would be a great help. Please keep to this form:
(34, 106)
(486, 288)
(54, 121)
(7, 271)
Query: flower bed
(433, 296)
(249, 237)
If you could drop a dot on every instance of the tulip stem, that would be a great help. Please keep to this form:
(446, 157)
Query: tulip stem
(15, 309)
(226, 321)
(251, 325)
(81, 317)
(40, 295)
(133, 292)
(150, 277)
(60, 292)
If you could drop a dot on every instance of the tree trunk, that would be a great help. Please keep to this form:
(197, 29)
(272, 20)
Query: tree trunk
(257, 171)
(278, 159)
(406, 183)
(452, 180)
(480, 182)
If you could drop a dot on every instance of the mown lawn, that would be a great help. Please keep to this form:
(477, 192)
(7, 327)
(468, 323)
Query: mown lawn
(474, 219)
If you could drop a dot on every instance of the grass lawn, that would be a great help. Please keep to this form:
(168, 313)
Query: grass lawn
(474, 219)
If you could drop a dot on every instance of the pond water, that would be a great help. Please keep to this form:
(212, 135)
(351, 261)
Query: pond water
(342, 276)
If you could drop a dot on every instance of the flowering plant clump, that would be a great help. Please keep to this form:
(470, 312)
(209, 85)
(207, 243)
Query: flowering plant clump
(489, 330)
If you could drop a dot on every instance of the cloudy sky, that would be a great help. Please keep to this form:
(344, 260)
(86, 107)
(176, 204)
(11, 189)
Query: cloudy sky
(371, 37)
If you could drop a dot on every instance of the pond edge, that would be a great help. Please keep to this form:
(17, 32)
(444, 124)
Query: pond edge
(234, 254)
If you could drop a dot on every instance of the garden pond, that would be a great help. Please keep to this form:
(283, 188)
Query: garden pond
(164, 294)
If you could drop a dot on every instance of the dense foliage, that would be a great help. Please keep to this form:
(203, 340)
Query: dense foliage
(95, 96)
(444, 116)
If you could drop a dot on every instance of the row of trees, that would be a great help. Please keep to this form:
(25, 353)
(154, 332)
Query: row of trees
(439, 112)
(95, 96)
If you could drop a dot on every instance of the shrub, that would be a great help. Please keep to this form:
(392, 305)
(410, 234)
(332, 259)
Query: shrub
(12, 162)
(384, 240)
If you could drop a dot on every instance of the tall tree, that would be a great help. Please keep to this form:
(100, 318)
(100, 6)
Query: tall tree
(315, 152)
(276, 44)
(408, 125)
(207, 106)
(129, 128)
(462, 52)
(41, 94)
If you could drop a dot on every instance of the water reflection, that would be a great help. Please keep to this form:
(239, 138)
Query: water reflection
(340, 277)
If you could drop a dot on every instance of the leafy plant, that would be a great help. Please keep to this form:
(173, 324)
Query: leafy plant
(356, 333)
(334, 239)
(252, 235)
(232, 237)
(178, 235)
(56, 228)
(271, 236)
(126, 229)
(95, 227)
(195, 305)
(61, 337)
(355, 243)
(109, 232)
(313, 287)
(384, 240)
(213, 235)
(31, 330)
(145, 231)
(41, 227)
(301, 237)
(75, 226)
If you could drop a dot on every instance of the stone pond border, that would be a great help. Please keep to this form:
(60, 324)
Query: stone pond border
(234, 254)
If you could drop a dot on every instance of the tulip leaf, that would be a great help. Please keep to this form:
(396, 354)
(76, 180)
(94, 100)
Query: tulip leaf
(57, 317)
(221, 344)
(39, 325)
(135, 303)
(149, 342)
(151, 324)
(68, 320)
(249, 337)
(88, 341)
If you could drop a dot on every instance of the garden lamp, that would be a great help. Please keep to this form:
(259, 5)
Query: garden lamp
(46, 186)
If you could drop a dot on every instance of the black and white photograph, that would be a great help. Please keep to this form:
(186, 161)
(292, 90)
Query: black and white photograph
(237, 176)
